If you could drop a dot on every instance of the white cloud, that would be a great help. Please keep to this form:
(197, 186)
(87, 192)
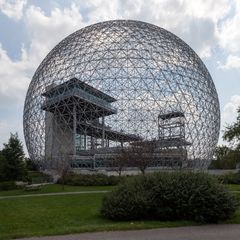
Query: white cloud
(231, 63)
(194, 21)
(47, 31)
(101, 10)
(13, 9)
(15, 76)
(11, 126)
(211, 9)
(14, 79)
(229, 114)
(228, 31)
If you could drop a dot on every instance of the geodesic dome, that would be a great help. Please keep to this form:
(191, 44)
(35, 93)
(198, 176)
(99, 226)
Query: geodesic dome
(146, 70)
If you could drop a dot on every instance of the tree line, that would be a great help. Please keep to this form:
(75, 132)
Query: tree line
(228, 157)
(14, 164)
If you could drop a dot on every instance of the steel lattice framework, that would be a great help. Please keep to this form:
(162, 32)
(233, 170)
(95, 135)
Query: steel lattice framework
(111, 83)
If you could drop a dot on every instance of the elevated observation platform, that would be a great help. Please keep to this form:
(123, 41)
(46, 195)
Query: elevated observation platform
(90, 103)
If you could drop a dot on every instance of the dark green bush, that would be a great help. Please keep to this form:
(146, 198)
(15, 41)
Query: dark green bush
(90, 180)
(9, 185)
(170, 196)
(230, 178)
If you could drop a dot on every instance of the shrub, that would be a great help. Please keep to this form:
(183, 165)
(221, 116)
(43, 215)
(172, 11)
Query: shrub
(90, 180)
(230, 178)
(170, 196)
(34, 177)
(9, 185)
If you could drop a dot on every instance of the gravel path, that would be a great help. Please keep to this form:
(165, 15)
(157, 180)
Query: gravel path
(206, 232)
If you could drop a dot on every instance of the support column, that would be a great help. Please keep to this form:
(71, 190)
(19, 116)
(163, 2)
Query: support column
(103, 132)
(85, 136)
(74, 130)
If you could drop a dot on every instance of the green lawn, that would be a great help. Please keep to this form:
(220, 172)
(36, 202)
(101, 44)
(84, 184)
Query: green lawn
(53, 215)
(233, 187)
(52, 188)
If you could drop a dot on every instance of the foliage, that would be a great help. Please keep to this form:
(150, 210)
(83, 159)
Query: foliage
(232, 133)
(226, 158)
(139, 154)
(170, 196)
(38, 177)
(12, 160)
(62, 166)
(3, 165)
(143, 154)
(30, 165)
(8, 185)
(120, 162)
(90, 180)
(230, 178)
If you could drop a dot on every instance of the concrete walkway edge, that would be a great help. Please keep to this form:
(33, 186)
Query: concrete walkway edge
(205, 232)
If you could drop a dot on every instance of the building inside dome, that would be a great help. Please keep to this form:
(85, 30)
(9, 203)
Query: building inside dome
(121, 85)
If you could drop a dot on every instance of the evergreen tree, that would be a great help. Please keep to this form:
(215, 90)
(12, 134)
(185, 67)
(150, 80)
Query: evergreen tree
(3, 164)
(12, 161)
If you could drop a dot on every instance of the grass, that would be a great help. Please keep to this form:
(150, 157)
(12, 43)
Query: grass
(236, 218)
(57, 215)
(53, 215)
(53, 188)
(233, 187)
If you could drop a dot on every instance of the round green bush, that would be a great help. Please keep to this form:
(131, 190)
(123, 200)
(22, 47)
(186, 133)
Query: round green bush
(170, 196)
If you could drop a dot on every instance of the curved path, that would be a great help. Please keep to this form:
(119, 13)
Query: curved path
(53, 194)
(62, 193)
(206, 232)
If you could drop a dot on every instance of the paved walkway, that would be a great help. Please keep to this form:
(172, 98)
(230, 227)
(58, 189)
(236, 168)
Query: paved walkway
(63, 193)
(53, 194)
(207, 232)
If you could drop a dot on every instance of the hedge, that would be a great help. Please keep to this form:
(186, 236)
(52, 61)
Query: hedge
(170, 196)
(90, 180)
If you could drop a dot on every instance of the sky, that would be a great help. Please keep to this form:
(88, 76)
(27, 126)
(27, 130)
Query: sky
(29, 29)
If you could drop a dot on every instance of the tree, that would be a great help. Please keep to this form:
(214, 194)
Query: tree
(120, 162)
(221, 152)
(232, 133)
(62, 166)
(12, 160)
(140, 154)
(3, 164)
(30, 165)
(225, 158)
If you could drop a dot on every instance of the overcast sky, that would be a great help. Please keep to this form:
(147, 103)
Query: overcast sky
(30, 29)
